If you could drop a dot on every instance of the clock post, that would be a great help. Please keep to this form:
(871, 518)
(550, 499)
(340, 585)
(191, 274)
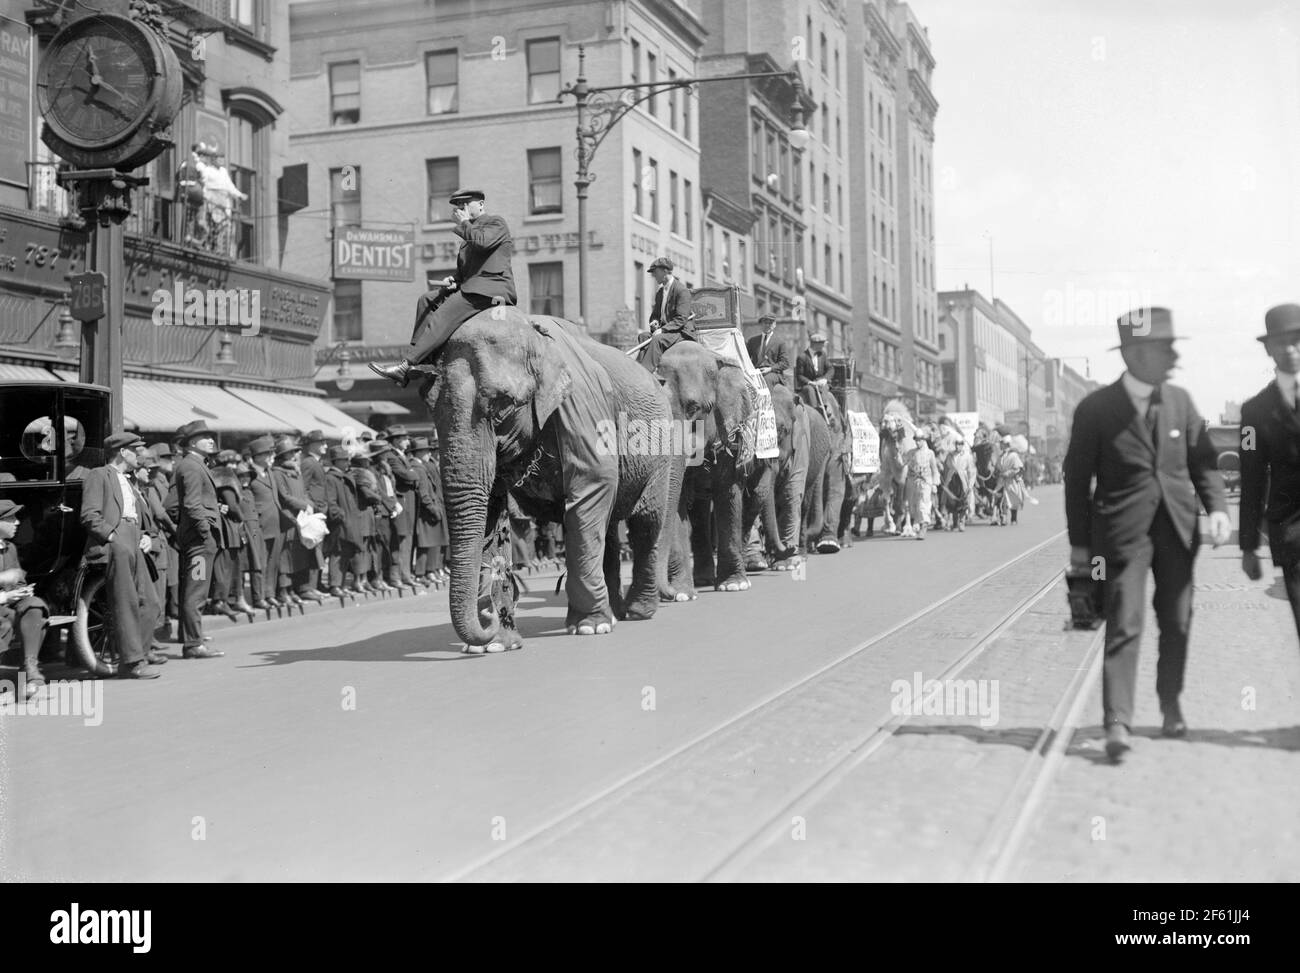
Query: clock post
(108, 88)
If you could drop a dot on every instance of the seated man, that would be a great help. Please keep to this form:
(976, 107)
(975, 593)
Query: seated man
(670, 318)
(20, 610)
(768, 352)
(811, 372)
(483, 278)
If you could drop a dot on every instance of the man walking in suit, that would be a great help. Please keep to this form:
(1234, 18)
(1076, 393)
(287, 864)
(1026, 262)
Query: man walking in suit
(1150, 452)
(670, 315)
(483, 277)
(112, 510)
(197, 530)
(769, 353)
(1270, 454)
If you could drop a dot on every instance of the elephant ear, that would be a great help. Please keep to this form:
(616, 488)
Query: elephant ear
(551, 379)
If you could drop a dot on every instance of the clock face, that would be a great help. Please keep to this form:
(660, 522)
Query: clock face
(97, 81)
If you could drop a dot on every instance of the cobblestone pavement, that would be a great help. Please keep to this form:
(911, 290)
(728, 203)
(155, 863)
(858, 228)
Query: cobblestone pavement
(1223, 804)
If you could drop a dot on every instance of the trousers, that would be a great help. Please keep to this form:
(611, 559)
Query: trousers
(443, 318)
(1161, 552)
(1291, 579)
(195, 584)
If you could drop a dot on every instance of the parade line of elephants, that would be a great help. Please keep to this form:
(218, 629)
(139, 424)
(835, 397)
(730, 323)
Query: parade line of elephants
(522, 405)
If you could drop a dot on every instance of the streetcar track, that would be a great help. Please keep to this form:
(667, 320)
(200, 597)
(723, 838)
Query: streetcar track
(567, 820)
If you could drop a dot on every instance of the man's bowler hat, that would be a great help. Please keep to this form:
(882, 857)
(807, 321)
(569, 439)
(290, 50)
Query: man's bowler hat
(1145, 324)
(420, 443)
(315, 436)
(1280, 320)
(192, 430)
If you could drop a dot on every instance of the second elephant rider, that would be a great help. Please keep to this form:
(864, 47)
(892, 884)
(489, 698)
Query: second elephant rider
(670, 318)
(483, 278)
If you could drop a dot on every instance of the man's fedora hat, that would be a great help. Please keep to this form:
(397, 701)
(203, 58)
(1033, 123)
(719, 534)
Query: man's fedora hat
(1145, 324)
(8, 508)
(395, 432)
(147, 460)
(462, 196)
(660, 263)
(192, 430)
(1280, 320)
(161, 450)
(260, 445)
(420, 443)
(315, 436)
(286, 445)
(338, 453)
(122, 440)
(378, 448)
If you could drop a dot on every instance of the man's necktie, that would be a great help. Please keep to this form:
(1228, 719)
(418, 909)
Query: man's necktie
(1153, 415)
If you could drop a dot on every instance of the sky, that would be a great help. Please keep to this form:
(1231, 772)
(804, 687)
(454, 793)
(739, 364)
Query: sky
(1123, 153)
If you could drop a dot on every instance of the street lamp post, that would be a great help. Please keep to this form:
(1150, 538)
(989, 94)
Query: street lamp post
(600, 108)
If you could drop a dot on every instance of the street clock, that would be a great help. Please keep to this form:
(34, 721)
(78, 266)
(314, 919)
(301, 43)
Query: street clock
(108, 88)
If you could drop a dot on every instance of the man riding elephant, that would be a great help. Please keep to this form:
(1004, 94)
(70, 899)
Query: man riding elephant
(483, 278)
(670, 318)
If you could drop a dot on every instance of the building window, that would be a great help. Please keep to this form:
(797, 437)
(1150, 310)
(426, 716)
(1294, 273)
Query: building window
(639, 274)
(726, 256)
(839, 259)
(546, 289)
(773, 163)
(636, 182)
(443, 178)
(839, 137)
(821, 53)
(812, 184)
(756, 149)
(827, 266)
(826, 193)
(839, 203)
(347, 310)
(686, 114)
(672, 101)
(543, 69)
(544, 192)
(440, 78)
(652, 75)
(688, 207)
(345, 93)
(673, 225)
(241, 158)
(654, 191)
(242, 13)
(785, 169)
(838, 82)
(345, 196)
(636, 62)
(743, 262)
(826, 124)
(812, 257)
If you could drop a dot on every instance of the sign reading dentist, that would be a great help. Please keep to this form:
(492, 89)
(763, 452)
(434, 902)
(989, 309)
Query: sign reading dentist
(361, 254)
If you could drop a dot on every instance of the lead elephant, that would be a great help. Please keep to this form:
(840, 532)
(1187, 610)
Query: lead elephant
(774, 488)
(527, 406)
(829, 480)
(711, 394)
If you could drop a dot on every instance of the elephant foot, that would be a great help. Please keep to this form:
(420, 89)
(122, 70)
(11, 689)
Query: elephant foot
(755, 564)
(595, 624)
(828, 545)
(640, 613)
(506, 641)
(734, 583)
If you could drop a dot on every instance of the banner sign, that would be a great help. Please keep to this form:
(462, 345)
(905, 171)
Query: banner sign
(15, 100)
(361, 254)
(715, 307)
(966, 423)
(729, 343)
(866, 443)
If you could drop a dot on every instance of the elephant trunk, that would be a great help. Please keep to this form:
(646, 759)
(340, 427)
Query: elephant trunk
(467, 473)
(771, 528)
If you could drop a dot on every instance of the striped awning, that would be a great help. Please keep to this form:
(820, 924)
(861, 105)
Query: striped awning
(26, 373)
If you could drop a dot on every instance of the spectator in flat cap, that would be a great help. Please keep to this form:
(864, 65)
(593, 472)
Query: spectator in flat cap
(265, 571)
(227, 596)
(21, 611)
(313, 481)
(430, 532)
(670, 314)
(111, 513)
(406, 484)
(483, 277)
(198, 529)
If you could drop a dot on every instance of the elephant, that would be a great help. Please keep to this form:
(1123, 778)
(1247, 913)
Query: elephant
(774, 487)
(829, 477)
(526, 406)
(711, 393)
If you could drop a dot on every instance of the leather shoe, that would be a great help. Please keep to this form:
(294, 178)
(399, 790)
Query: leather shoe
(399, 373)
(137, 670)
(1173, 726)
(336, 592)
(155, 657)
(262, 604)
(201, 652)
(1117, 742)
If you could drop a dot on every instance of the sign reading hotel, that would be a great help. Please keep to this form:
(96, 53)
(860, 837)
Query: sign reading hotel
(361, 254)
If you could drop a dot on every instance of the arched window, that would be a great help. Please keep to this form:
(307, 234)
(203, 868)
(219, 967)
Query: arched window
(252, 113)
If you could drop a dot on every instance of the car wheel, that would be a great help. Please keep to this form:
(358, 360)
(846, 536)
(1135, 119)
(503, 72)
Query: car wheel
(90, 631)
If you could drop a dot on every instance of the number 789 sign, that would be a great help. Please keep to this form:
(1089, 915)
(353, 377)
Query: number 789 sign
(87, 302)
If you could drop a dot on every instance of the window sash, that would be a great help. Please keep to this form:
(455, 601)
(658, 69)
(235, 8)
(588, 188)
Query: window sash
(546, 289)
(544, 181)
(443, 178)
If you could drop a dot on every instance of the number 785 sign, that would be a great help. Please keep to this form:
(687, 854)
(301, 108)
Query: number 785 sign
(87, 302)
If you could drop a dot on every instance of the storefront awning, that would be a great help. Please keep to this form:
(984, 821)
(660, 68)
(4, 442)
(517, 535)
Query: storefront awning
(26, 373)
(370, 407)
(302, 412)
(166, 406)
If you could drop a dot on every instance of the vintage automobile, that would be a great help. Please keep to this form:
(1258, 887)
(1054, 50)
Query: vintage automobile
(51, 436)
(1227, 443)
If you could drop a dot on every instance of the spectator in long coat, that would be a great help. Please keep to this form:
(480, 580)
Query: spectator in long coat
(373, 513)
(381, 551)
(291, 494)
(156, 525)
(430, 529)
(262, 487)
(163, 477)
(228, 567)
(198, 523)
(313, 479)
(346, 520)
(254, 551)
(406, 484)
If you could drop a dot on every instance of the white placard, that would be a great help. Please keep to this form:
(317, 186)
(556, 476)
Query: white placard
(866, 443)
(966, 423)
(766, 446)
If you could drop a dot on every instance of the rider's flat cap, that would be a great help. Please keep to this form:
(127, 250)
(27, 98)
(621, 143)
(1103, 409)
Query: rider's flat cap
(466, 195)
